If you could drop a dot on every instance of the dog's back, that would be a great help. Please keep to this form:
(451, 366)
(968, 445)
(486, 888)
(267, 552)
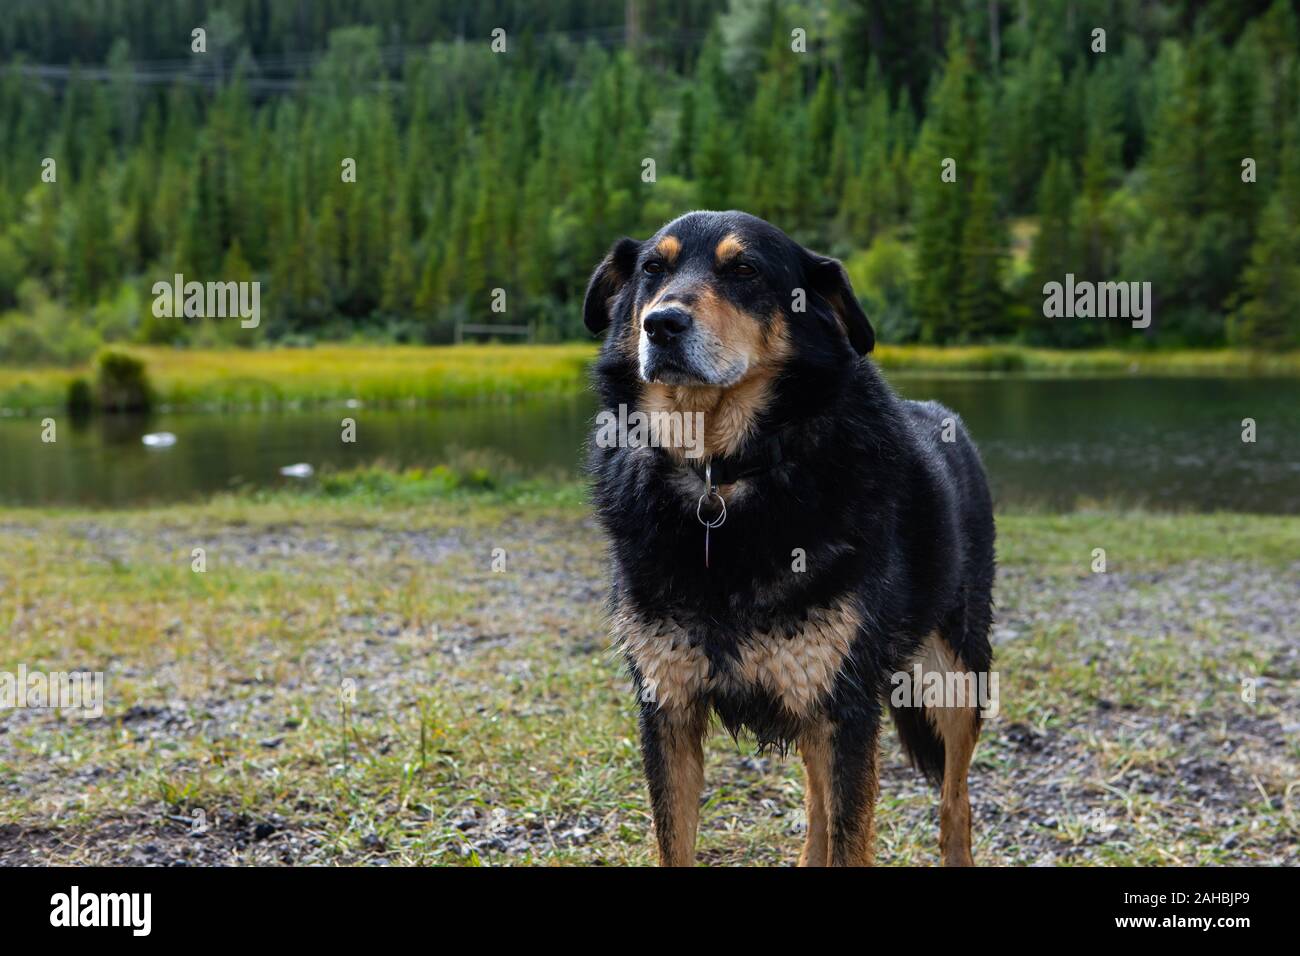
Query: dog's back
(959, 490)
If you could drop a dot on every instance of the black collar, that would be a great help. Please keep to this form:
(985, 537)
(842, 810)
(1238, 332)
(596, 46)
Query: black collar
(755, 458)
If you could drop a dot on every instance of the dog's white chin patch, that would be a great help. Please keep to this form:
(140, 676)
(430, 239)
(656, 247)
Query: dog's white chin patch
(693, 373)
(676, 377)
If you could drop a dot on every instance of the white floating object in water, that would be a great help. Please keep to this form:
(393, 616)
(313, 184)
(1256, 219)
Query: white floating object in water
(159, 440)
(353, 403)
(300, 470)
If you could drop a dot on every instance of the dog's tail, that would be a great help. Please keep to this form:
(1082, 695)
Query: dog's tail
(921, 742)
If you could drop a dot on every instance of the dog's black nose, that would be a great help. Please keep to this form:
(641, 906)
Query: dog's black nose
(664, 325)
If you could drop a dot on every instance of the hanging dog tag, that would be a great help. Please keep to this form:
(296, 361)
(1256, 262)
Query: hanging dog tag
(710, 491)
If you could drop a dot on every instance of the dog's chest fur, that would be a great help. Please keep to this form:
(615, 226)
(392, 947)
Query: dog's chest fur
(789, 667)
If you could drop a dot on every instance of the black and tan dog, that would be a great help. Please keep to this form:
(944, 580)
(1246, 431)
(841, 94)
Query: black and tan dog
(857, 538)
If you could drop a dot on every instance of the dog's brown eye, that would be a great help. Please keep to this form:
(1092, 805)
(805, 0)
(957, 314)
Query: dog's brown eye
(744, 270)
(653, 267)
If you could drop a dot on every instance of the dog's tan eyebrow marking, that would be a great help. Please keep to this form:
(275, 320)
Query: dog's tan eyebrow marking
(669, 247)
(730, 247)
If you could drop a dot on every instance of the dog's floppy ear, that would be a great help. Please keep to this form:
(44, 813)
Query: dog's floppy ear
(606, 282)
(831, 282)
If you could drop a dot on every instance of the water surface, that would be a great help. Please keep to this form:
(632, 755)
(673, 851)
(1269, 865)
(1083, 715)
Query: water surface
(1168, 443)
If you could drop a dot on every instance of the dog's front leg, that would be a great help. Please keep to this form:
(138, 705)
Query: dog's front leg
(672, 750)
(854, 784)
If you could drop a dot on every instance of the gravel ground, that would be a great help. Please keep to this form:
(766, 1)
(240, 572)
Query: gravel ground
(491, 723)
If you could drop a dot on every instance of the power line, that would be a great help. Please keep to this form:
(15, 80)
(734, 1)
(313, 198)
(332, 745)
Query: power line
(284, 72)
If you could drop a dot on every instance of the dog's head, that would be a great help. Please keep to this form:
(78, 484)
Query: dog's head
(715, 297)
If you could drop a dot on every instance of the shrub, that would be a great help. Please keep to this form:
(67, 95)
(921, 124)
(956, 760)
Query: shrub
(81, 397)
(121, 383)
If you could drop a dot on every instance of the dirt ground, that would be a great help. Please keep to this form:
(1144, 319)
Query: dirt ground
(361, 687)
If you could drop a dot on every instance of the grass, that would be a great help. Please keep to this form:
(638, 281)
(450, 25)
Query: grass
(1035, 361)
(353, 680)
(465, 373)
(379, 374)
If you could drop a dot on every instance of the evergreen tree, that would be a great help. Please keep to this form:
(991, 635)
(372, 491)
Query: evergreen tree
(1267, 317)
(981, 299)
(1055, 249)
(944, 169)
(477, 171)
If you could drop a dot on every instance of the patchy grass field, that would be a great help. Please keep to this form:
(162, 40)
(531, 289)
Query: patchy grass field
(274, 377)
(491, 724)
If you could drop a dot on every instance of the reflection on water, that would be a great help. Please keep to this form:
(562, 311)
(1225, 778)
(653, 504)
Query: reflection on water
(1163, 443)
(1168, 443)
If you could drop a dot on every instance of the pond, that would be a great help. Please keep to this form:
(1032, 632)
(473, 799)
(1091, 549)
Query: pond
(1168, 443)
